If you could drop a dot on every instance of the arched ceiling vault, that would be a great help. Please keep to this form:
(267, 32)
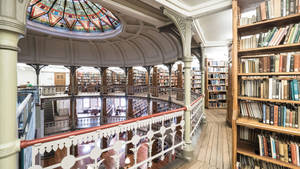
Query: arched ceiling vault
(138, 44)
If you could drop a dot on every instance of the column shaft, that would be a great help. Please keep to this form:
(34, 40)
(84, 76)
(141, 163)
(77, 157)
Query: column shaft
(8, 99)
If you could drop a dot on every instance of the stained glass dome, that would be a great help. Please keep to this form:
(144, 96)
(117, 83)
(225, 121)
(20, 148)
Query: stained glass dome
(80, 16)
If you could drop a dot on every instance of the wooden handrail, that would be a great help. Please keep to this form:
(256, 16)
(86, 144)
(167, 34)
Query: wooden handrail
(27, 143)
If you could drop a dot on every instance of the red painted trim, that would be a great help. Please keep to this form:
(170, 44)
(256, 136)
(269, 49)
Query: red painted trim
(196, 100)
(27, 143)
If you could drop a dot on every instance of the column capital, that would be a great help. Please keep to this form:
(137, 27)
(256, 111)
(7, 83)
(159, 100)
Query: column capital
(9, 40)
(184, 25)
(181, 22)
(12, 25)
(13, 15)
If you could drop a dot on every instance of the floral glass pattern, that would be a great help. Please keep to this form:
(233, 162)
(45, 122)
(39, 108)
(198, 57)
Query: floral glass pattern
(72, 15)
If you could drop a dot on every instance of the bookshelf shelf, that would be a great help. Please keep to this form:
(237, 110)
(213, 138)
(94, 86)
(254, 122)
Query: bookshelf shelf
(269, 100)
(216, 84)
(217, 91)
(270, 74)
(217, 107)
(253, 123)
(239, 54)
(216, 72)
(216, 78)
(261, 26)
(270, 50)
(247, 150)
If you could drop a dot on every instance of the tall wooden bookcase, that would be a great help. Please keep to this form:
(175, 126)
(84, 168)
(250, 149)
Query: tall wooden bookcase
(213, 91)
(229, 89)
(238, 147)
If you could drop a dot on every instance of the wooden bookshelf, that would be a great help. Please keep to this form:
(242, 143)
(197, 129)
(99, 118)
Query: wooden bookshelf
(253, 123)
(270, 74)
(271, 49)
(247, 150)
(215, 84)
(140, 77)
(237, 54)
(229, 93)
(269, 100)
(262, 26)
(196, 80)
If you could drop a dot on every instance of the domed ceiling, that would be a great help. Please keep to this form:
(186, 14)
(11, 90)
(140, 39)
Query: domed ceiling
(84, 33)
(71, 16)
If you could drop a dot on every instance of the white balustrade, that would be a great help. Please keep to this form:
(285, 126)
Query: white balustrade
(168, 130)
(196, 114)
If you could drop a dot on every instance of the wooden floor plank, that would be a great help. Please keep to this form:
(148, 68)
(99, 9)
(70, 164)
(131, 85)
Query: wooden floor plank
(210, 144)
(214, 145)
(214, 148)
(220, 148)
(226, 158)
(203, 148)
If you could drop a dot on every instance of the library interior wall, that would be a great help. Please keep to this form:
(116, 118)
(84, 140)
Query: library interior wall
(27, 74)
(216, 53)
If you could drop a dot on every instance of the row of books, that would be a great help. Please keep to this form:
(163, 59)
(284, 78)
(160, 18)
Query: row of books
(279, 148)
(275, 63)
(247, 134)
(217, 69)
(245, 162)
(271, 88)
(217, 63)
(273, 114)
(215, 76)
(217, 104)
(284, 35)
(217, 96)
(272, 9)
(217, 82)
(216, 88)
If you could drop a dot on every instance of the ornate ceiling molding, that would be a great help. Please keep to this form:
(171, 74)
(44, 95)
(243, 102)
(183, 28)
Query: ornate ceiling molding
(198, 10)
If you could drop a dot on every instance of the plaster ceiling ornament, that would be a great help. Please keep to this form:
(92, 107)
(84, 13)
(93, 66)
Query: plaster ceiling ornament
(72, 15)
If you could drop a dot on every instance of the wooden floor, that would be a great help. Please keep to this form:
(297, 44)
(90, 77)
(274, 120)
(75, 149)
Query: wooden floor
(213, 149)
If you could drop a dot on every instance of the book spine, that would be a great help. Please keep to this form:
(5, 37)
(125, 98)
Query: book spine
(292, 63)
(271, 115)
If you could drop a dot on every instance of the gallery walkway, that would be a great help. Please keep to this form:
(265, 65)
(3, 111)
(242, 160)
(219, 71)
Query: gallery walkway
(213, 149)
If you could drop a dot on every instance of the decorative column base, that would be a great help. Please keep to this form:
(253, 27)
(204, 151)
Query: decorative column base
(188, 154)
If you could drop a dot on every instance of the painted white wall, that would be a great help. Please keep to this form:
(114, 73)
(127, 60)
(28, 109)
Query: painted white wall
(26, 74)
(216, 53)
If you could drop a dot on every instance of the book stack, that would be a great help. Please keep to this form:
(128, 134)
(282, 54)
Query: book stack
(216, 84)
(217, 76)
(289, 62)
(249, 162)
(139, 77)
(272, 9)
(278, 35)
(280, 148)
(276, 8)
(271, 88)
(196, 80)
(273, 114)
(265, 77)
(217, 69)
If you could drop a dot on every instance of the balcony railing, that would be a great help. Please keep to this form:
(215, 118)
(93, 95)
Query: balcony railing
(26, 125)
(159, 135)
